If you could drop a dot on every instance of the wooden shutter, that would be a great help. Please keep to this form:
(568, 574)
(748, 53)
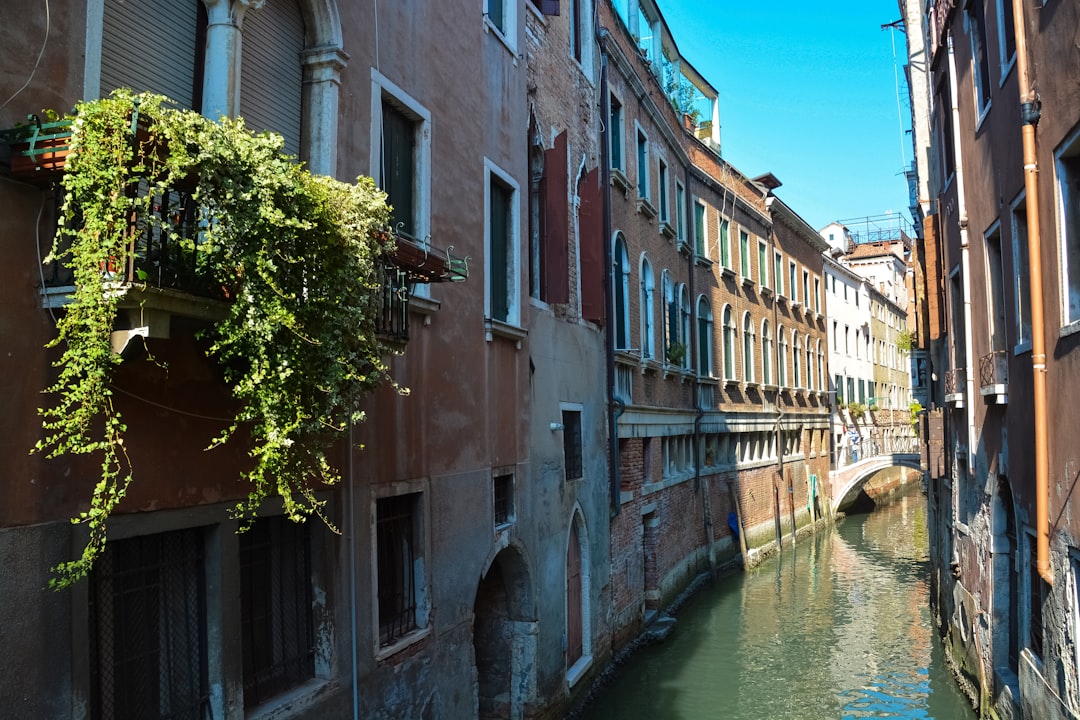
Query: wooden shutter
(271, 76)
(555, 248)
(591, 235)
(151, 45)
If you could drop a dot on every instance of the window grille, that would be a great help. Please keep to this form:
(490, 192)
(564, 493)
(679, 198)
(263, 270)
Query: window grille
(572, 443)
(148, 629)
(276, 623)
(396, 547)
(503, 486)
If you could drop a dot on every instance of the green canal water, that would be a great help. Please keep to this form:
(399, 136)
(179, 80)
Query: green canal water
(838, 627)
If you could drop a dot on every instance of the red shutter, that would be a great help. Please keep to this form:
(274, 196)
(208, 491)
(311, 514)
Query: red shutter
(591, 234)
(549, 7)
(555, 249)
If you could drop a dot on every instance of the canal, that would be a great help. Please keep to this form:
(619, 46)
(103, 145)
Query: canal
(839, 627)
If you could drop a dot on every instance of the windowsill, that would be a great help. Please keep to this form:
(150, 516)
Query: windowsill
(292, 703)
(619, 180)
(422, 305)
(667, 230)
(727, 272)
(578, 669)
(1006, 70)
(489, 27)
(401, 643)
(498, 328)
(536, 13)
(1022, 348)
(983, 115)
(646, 208)
(649, 364)
(703, 261)
(1070, 329)
(766, 291)
(746, 281)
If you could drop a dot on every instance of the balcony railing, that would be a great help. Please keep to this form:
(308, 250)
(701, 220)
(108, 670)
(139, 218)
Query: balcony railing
(994, 376)
(955, 380)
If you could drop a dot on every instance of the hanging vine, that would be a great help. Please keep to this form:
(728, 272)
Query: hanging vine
(299, 255)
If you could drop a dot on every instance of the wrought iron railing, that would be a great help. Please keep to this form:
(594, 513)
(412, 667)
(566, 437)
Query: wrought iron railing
(994, 370)
(954, 381)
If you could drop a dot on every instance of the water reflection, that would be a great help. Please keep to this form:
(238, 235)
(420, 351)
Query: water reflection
(839, 627)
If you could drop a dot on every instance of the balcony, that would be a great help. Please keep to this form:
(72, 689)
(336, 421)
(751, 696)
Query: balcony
(954, 387)
(994, 377)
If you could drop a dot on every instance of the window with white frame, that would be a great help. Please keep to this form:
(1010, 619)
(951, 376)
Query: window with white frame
(705, 333)
(766, 353)
(975, 24)
(806, 288)
(669, 314)
(662, 190)
(503, 302)
(782, 361)
(615, 132)
(744, 253)
(680, 212)
(1068, 182)
(700, 246)
(763, 263)
(642, 164)
(572, 442)
(778, 272)
(725, 242)
(748, 338)
(1006, 24)
(793, 286)
(995, 288)
(647, 289)
(817, 294)
(729, 343)
(796, 362)
(1022, 286)
(621, 271)
(809, 364)
(820, 367)
(684, 324)
(502, 15)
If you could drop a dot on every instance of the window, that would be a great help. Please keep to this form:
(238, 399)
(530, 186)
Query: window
(705, 332)
(729, 343)
(576, 24)
(621, 272)
(1068, 180)
(847, 340)
(766, 353)
(680, 212)
(669, 315)
(502, 15)
(148, 628)
(662, 199)
(699, 228)
(748, 348)
(502, 489)
(400, 576)
(817, 294)
(975, 22)
(684, 323)
(642, 165)
(572, 455)
(276, 624)
(820, 367)
(725, 243)
(401, 156)
(782, 362)
(835, 336)
(809, 365)
(796, 362)
(1006, 24)
(778, 272)
(1022, 287)
(793, 287)
(501, 260)
(744, 253)
(942, 105)
(995, 288)
(806, 288)
(615, 127)
(763, 263)
(646, 308)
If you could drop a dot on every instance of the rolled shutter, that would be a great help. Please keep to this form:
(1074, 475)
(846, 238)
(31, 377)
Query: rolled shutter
(271, 76)
(150, 45)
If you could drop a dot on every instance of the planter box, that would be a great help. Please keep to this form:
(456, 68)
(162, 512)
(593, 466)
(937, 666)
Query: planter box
(39, 151)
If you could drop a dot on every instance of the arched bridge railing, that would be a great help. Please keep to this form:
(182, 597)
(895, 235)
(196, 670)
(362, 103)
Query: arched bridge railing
(871, 447)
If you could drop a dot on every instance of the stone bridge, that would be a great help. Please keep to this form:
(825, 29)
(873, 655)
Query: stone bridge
(858, 462)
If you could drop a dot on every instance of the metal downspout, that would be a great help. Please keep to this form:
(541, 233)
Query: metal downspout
(609, 336)
(351, 520)
(1030, 112)
(965, 264)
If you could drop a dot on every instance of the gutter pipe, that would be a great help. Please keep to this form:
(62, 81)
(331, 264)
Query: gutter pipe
(1030, 113)
(615, 407)
(965, 264)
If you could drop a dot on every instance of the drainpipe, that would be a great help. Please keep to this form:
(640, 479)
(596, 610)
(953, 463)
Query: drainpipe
(969, 376)
(1030, 112)
(350, 515)
(615, 407)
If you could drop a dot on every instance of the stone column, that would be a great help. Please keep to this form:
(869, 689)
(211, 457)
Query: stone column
(322, 78)
(221, 77)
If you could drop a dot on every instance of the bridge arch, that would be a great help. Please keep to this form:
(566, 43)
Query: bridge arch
(847, 483)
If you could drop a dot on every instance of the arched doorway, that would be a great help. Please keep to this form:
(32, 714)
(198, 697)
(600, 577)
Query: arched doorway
(504, 638)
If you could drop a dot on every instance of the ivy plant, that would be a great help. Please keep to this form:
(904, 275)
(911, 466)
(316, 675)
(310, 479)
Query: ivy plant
(299, 256)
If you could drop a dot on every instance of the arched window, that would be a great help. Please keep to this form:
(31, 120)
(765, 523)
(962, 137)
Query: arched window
(621, 272)
(796, 359)
(809, 364)
(781, 363)
(684, 325)
(729, 343)
(669, 316)
(766, 353)
(647, 289)
(748, 348)
(820, 367)
(705, 332)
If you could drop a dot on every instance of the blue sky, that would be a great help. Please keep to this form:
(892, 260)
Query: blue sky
(808, 93)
